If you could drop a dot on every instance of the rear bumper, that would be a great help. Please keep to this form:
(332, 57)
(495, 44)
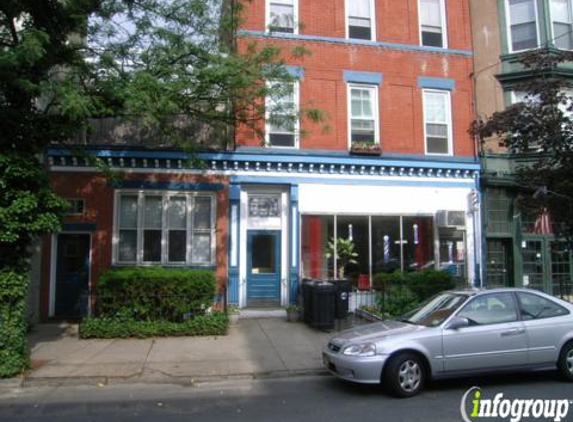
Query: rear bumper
(366, 370)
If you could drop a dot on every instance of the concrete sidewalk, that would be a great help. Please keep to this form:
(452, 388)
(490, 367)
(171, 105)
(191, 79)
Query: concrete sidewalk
(253, 348)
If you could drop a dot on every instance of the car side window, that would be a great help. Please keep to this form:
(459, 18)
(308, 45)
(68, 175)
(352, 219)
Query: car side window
(536, 307)
(490, 309)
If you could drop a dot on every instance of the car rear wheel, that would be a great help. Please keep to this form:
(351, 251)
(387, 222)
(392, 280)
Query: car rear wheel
(404, 375)
(565, 363)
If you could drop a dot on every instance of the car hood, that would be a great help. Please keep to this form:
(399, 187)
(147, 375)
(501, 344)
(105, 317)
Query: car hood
(376, 331)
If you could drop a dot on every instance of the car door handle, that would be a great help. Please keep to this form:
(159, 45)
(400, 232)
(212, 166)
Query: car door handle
(514, 332)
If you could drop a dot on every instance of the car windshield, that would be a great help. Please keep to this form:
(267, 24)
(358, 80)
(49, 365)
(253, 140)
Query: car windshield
(435, 310)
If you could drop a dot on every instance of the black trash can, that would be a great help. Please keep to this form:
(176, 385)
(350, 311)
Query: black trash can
(343, 288)
(318, 301)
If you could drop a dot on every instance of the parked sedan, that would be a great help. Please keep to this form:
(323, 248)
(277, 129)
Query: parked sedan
(458, 333)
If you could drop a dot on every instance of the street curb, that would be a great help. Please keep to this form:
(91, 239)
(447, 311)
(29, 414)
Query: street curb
(15, 382)
(188, 380)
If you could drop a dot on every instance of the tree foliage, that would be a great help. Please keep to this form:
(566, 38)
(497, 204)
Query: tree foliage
(540, 130)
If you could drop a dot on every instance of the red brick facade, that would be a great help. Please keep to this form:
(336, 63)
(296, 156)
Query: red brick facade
(400, 98)
(94, 188)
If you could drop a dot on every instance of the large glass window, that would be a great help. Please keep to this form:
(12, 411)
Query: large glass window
(381, 244)
(522, 17)
(418, 243)
(177, 228)
(127, 228)
(316, 232)
(562, 23)
(363, 114)
(360, 19)
(437, 120)
(282, 15)
(173, 228)
(282, 109)
(499, 210)
(432, 19)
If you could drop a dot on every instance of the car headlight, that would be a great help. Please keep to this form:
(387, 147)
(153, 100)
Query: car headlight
(364, 349)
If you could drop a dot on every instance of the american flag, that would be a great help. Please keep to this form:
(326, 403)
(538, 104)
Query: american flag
(543, 223)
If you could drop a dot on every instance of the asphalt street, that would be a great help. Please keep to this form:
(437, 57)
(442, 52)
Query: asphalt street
(316, 398)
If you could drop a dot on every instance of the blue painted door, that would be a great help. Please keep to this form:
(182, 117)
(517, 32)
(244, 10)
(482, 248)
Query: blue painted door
(72, 275)
(263, 264)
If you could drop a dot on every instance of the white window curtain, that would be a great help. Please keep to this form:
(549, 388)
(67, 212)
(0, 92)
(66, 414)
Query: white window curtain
(430, 14)
(359, 8)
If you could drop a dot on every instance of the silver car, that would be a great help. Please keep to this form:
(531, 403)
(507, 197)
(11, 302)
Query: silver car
(458, 333)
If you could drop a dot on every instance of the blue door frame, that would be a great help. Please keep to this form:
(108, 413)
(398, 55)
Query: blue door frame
(266, 284)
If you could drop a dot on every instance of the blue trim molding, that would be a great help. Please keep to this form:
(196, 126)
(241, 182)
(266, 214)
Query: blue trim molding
(79, 227)
(436, 83)
(294, 246)
(146, 184)
(363, 77)
(334, 40)
(234, 243)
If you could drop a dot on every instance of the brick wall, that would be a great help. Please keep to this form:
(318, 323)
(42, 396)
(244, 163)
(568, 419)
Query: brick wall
(400, 98)
(99, 199)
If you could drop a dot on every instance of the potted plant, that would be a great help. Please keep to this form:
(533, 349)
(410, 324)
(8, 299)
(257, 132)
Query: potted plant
(365, 148)
(233, 314)
(293, 312)
(345, 253)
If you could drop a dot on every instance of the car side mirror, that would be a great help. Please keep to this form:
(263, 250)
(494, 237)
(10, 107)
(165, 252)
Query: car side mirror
(457, 322)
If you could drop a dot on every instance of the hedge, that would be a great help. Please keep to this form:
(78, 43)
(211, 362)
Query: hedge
(108, 328)
(14, 355)
(154, 293)
(424, 284)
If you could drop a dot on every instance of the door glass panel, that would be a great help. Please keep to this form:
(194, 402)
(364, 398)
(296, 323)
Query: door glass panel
(263, 254)
(561, 271)
(498, 263)
(532, 265)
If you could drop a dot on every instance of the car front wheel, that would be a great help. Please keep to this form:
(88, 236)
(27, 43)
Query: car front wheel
(404, 375)
(566, 361)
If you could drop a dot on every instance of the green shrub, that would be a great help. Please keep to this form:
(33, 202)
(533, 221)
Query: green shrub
(385, 281)
(397, 301)
(14, 356)
(109, 327)
(154, 293)
(427, 283)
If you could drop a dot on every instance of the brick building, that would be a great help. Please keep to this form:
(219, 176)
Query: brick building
(518, 250)
(393, 168)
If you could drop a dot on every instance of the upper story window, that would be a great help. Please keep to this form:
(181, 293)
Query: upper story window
(164, 228)
(77, 206)
(438, 122)
(282, 15)
(522, 18)
(281, 115)
(562, 23)
(432, 23)
(363, 115)
(360, 19)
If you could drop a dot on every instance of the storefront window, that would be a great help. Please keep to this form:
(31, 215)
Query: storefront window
(382, 244)
(385, 244)
(355, 229)
(315, 234)
(453, 251)
(418, 243)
